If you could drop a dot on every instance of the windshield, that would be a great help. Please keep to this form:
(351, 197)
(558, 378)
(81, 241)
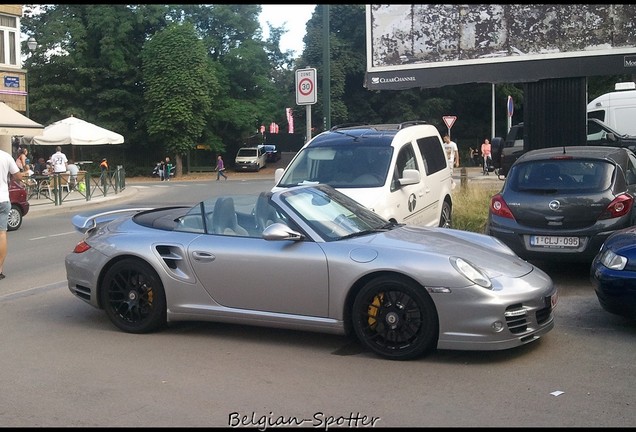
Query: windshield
(340, 166)
(332, 214)
(247, 152)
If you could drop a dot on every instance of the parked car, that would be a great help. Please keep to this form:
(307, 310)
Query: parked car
(613, 273)
(563, 202)
(399, 171)
(273, 155)
(250, 158)
(598, 133)
(340, 268)
(19, 205)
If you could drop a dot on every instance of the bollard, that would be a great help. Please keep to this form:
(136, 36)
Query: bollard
(463, 178)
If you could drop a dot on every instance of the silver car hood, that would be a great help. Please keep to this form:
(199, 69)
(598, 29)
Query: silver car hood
(482, 250)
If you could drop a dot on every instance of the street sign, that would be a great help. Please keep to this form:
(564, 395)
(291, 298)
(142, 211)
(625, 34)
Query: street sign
(306, 86)
(510, 106)
(449, 120)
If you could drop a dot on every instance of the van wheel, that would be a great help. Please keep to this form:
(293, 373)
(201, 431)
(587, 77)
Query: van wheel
(445, 216)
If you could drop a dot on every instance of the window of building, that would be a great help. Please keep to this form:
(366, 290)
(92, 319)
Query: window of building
(8, 40)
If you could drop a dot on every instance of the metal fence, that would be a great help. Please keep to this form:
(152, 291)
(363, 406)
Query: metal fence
(61, 187)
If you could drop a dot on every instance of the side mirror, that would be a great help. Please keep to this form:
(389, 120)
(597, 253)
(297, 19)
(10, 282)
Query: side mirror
(280, 231)
(409, 177)
(278, 174)
(611, 137)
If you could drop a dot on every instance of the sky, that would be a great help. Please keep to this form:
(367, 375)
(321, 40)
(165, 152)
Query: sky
(293, 18)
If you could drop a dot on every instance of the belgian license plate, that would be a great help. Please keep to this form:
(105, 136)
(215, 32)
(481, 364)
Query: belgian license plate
(554, 241)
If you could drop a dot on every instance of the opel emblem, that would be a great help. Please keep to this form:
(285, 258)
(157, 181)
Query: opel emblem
(554, 205)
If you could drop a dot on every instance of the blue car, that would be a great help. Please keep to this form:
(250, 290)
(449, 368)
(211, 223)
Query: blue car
(613, 273)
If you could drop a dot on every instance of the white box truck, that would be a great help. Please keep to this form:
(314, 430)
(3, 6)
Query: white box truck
(616, 109)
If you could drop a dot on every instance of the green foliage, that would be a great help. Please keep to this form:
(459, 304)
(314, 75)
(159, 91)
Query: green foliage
(470, 206)
(179, 87)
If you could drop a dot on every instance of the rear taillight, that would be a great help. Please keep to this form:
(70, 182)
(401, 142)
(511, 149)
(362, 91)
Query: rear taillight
(81, 247)
(498, 207)
(621, 205)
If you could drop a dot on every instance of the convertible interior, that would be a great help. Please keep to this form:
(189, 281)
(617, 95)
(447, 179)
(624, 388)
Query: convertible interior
(215, 216)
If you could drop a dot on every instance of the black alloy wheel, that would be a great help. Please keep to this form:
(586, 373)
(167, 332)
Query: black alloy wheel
(133, 297)
(395, 318)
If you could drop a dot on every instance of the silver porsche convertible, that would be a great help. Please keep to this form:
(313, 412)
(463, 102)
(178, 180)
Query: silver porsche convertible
(309, 258)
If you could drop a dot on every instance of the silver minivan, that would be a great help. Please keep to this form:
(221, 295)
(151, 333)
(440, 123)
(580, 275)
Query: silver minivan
(399, 171)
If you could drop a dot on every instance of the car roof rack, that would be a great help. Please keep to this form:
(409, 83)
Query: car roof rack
(383, 126)
(347, 125)
(411, 123)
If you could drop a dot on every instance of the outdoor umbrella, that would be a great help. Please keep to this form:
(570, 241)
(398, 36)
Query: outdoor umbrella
(75, 131)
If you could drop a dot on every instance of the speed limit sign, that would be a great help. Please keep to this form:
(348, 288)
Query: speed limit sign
(306, 86)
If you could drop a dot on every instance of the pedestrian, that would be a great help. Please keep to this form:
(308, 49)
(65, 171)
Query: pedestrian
(168, 169)
(220, 168)
(159, 169)
(59, 161)
(486, 154)
(452, 153)
(103, 166)
(40, 166)
(474, 156)
(73, 170)
(21, 160)
(8, 169)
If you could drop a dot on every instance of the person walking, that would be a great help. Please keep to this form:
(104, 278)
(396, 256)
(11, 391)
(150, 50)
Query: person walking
(452, 155)
(168, 169)
(59, 161)
(220, 168)
(486, 154)
(8, 169)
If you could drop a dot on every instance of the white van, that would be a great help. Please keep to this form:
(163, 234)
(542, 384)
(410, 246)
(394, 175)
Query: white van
(616, 109)
(250, 158)
(399, 171)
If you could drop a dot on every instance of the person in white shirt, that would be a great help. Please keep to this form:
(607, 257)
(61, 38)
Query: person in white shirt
(73, 170)
(8, 169)
(59, 161)
(452, 153)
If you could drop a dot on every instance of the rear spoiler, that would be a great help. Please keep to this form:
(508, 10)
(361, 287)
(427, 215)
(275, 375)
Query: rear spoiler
(85, 224)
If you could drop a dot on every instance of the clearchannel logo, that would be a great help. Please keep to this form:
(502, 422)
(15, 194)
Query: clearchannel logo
(382, 80)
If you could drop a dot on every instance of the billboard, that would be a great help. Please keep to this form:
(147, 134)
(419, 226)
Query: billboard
(433, 45)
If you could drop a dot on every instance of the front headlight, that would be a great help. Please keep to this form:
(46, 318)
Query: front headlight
(471, 272)
(613, 261)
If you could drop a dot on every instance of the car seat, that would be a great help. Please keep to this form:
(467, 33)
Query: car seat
(224, 220)
(264, 213)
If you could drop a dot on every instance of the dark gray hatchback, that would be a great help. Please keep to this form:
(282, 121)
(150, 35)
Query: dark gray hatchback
(563, 202)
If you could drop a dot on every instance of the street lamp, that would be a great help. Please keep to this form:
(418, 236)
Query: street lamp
(32, 44)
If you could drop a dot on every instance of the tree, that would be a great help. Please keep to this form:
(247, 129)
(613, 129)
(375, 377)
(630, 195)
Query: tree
(179, 88)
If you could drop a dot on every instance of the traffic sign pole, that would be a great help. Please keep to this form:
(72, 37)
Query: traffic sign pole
(306, 93)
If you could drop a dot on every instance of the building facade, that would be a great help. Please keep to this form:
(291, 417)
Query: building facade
(13, 79)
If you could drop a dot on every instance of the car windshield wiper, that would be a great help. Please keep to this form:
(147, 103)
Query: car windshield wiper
(383, 228)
